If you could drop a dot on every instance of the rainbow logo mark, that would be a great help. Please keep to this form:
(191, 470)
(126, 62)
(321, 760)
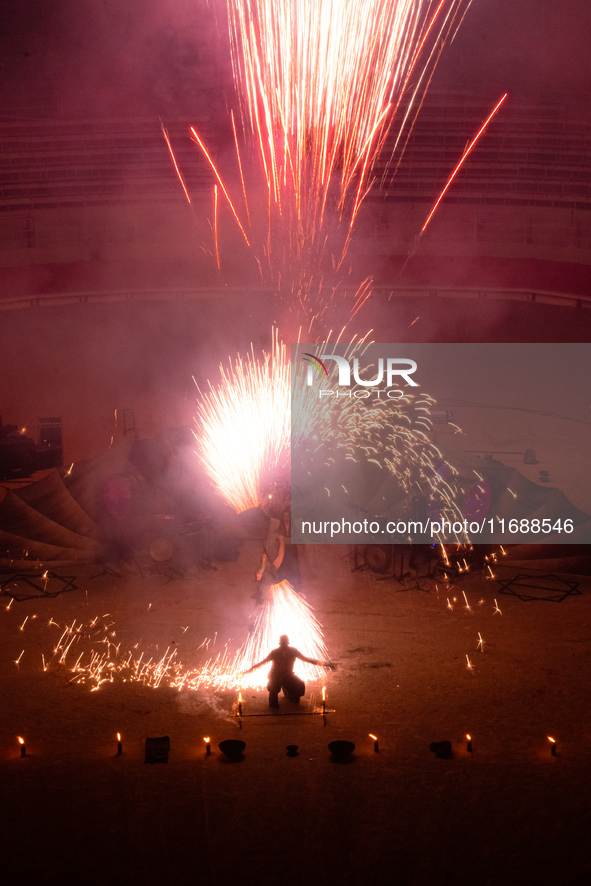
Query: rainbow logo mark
(317, 362)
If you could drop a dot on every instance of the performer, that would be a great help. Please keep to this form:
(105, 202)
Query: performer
(281, 675)
(266, 578)
(288, 565)
(279, 562)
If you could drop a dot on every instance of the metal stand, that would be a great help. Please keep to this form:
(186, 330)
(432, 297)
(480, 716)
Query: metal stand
(318, 713)
(402, 575)
(417, 586)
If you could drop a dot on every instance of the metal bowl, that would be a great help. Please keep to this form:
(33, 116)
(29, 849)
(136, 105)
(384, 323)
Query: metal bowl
(232, 748)
(341, 749)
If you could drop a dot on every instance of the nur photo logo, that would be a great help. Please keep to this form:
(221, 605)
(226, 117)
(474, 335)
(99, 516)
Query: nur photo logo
(392, 370)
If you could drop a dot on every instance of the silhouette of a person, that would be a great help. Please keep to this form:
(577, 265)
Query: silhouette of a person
(279, 562)
(281, 675)
(266, 578)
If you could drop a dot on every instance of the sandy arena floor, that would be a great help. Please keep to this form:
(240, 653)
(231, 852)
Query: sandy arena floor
(508, 813)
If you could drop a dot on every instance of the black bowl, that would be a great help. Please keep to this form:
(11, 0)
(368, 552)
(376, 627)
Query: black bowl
(341, 749)
(232, 748)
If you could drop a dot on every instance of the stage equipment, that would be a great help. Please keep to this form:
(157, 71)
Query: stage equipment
(20, 456)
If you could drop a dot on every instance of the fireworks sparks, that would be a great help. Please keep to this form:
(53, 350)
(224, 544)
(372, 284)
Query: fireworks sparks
(462, 161)
(174, 163)
(244, 430)
(244, 435)
(243, 425)
(336, 439)
(285, 613)
(102, 661)
(321, 84)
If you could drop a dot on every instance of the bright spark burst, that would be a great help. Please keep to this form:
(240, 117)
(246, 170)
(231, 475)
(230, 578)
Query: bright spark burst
(284, 613)
(243, 425)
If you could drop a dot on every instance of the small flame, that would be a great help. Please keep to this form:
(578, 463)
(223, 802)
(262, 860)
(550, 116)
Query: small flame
(240, 697)
(469, 737)
(118, 736)
(324, 693)
(206, 739)
(375, 738)
(20, 740)
(553, 740)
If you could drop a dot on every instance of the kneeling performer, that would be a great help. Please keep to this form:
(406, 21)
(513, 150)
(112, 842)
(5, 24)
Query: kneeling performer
(281, 675)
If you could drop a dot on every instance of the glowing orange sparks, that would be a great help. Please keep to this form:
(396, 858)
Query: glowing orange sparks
(176, 168)
(220, 182)
(215, 225)
(462, 159)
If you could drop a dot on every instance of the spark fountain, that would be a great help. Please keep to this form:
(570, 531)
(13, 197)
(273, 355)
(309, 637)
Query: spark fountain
(321, 83)
(87, 651)
(243, 425)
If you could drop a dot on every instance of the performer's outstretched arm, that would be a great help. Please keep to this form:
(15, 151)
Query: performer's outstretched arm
(255, 666)
(315, 661)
